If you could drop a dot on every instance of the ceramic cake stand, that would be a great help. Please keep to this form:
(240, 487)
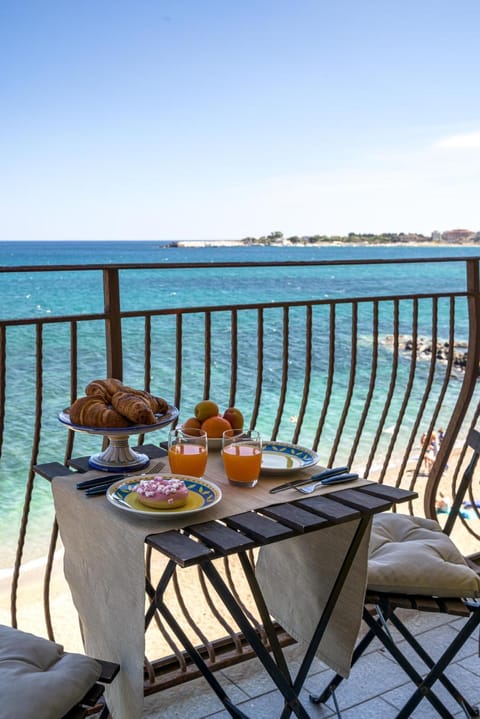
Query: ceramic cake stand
(119, 455)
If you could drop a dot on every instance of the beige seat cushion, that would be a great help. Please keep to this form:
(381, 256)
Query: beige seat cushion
(411, 555)
(37, 679)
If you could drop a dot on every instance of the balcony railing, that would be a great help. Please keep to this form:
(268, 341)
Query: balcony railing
(359, 379)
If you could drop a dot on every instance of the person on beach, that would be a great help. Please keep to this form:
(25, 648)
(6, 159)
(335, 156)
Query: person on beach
(430, 443)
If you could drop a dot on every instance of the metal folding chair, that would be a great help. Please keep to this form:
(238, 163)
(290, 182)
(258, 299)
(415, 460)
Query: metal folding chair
(380, 613)
(39, 680)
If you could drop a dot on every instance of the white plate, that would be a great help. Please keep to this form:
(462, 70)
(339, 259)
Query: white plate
(282, 458)
(202, 495)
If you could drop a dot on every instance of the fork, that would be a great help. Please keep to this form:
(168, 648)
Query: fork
(101, 487)
(339, 479)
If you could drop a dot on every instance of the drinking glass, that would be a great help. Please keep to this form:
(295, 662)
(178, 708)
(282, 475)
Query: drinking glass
(242, 456)
(187, 451)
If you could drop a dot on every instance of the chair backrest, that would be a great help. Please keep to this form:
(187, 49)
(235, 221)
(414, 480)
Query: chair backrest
(473, 441)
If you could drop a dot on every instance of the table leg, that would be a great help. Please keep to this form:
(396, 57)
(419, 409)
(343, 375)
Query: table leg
(158, 604)
(283, 684)
(348, 560)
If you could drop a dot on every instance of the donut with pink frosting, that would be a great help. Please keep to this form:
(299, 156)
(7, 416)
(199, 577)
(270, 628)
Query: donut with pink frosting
(162, 492)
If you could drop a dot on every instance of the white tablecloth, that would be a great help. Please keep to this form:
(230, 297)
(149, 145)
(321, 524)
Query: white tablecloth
(104, 566)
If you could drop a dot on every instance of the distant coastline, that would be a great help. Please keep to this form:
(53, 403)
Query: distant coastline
(459, 237)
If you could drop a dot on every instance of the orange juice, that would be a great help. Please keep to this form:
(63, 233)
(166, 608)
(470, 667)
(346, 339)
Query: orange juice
(242, 462)
(188, 459)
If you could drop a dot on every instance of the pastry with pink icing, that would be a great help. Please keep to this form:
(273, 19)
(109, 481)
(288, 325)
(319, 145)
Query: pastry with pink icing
(162, 493)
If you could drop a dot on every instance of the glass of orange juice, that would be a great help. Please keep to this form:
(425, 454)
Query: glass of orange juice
(242, 456)
(187, 451)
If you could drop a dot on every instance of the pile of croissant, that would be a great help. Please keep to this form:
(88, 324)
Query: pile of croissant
(110, 403)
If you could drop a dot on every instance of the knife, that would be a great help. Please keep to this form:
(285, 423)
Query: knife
(99, 489)
(99, 481)
(324, 474)
(338, 478)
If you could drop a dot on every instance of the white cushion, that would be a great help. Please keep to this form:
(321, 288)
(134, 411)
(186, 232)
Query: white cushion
(411, 555)
(37, 679)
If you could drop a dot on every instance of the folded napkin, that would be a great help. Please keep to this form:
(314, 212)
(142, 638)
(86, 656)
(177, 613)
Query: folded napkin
(296, 577)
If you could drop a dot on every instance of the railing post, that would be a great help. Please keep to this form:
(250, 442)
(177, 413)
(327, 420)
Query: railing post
(465, 395)
(113, 324)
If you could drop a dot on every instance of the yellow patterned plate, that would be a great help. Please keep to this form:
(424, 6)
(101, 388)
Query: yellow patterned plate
(202, 495)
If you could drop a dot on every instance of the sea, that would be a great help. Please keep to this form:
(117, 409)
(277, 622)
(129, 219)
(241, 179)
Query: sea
(36, 294)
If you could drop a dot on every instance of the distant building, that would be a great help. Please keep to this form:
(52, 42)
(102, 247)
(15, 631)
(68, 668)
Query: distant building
(455, 236)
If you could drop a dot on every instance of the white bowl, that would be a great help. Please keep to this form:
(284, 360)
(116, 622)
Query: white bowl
(214, 444)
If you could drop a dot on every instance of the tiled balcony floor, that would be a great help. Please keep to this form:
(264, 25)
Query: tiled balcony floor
(376, 689)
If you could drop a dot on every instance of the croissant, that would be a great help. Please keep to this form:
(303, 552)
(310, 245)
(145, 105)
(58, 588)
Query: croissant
(95, 412)
(158, 405)
(133, 407)
(104, 388)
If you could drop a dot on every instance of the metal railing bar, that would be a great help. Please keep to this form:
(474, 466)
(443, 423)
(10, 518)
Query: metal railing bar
(208, 355)
(147, 360)
(260, 368)
(407, 394)
(427, 390)
(233, 359)
(31, 474)
(199, 309)
(113, 323)
(7, 269)
(147, 374)
(178, 359)
(281, 303)
(47, 580)
(73, 385)
(307, 373)
(371, 385)
(470, 377)
(330, 377)
(284, 372)
(3, 376)
(391, 387)
(351, 381)
(189, 619)
(233, 588)
(218, 616)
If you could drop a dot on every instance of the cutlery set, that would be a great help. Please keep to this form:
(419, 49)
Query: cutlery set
(99, 485)
(333, 475)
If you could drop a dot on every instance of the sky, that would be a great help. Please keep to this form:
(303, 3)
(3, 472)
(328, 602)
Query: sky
(221, 119)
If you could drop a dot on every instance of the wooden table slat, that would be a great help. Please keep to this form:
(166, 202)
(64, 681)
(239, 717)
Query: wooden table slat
(49, 470)
(387, 492)
(326, 506)
(223, 539)
(179, 547)
(363, 501)
(262, 529)
(295, 517)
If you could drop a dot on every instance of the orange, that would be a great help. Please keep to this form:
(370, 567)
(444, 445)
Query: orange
(192, 423)
(215, 426)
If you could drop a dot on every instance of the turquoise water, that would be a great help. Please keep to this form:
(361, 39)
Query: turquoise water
(47, 294)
